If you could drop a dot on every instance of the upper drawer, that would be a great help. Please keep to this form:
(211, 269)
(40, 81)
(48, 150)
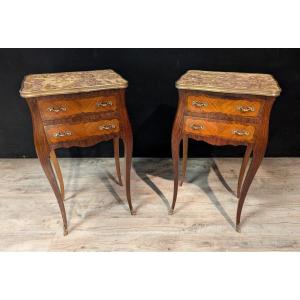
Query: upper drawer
(236, 107)
(57, 109)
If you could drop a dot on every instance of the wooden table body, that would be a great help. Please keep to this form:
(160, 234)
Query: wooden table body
(222, 119)
(80, 119)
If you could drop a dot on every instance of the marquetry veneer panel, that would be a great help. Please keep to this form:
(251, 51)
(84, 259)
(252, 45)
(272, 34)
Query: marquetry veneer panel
(224, 108)
(71, 132)
(77, 109)
(58, 109)
(226, 130)
(238, 107)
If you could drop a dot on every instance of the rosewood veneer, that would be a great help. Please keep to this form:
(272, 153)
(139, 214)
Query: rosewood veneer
(77, 109)
(223, 108)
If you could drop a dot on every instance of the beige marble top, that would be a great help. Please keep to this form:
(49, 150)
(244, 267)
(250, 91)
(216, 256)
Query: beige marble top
(70, 82)
(229, 82)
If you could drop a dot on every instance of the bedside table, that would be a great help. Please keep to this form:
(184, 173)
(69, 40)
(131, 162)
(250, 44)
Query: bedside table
(77, 109)
(223, 108)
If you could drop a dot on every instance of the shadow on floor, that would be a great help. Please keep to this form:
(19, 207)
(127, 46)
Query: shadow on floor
(107, 178)
(163, 168)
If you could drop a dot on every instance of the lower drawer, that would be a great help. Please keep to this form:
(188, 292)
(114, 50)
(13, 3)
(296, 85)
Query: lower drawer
(226, 130)
(71, 132)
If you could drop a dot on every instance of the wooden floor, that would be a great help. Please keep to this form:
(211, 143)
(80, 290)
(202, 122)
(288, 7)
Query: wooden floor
(99, 218)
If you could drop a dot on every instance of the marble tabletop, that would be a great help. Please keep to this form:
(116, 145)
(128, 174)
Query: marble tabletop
(37, 85)
(230, 82)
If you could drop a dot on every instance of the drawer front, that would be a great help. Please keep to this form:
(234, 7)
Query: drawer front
(71, 132)
(206, 104)
(230, 131)
(58, 109)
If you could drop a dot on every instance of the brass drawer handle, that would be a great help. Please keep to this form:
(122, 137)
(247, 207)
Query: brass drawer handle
(56, 110)
(245, 109)
(240, 132)
(63, 133)
(199, 104)
(107, 127)
(104, 103)
(197, 127)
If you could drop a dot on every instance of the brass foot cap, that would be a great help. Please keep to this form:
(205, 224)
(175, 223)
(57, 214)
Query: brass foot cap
(171, 211)
(66, 231)
(133, 212)
(238, 228)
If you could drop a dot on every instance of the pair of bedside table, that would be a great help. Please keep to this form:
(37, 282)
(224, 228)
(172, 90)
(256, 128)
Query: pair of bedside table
(77, 109)
(224, 109)
(84, 108)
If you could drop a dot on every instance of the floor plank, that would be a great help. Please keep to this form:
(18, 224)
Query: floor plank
(99, 218)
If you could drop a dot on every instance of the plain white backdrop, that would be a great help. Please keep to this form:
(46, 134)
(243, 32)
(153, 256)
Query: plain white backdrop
(155, 24)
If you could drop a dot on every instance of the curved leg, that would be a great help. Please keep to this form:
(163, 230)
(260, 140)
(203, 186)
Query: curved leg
(185, 141)
(175, 158)
(58, 173)
(46, 165)
(128, 160)
(117, 160)
(126, 135)
(258, 154)
(243, 168)
(176, 138)
(43, 152)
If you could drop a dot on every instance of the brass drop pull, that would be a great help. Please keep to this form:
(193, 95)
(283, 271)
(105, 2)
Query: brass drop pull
(104, 103)
(245, 109)
(240, 132)
(107, 127)
(199, 104)
(63, 133)
(57, 109)
(197, 127)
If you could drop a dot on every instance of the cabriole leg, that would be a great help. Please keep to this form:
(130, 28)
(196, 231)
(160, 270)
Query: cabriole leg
(58, 173)
(243, 168)
(47, 167)
(117, 159)
(185, 141)
(128, 160)
(175, 158)
(258, 154)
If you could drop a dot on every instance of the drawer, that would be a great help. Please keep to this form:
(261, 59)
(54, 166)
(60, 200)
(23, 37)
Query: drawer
(71, 132)
(237, 107)
(58, 109)
(226, 130)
